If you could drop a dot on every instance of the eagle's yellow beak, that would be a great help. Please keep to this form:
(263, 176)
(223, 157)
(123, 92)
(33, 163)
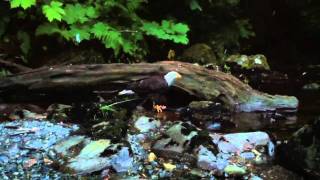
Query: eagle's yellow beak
(179, 76)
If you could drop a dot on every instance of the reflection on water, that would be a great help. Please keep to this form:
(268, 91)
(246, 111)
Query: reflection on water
(279, 124)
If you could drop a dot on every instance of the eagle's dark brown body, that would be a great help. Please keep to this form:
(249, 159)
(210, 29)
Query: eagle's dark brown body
(152, 85)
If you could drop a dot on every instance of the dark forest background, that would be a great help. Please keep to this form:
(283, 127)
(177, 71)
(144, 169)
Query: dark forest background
(286, 32)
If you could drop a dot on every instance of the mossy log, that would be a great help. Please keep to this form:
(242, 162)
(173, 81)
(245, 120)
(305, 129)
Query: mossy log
(197, 81)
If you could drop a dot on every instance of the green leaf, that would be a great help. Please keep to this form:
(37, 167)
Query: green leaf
(4, 20)
(47, 29)
(100, 30)
(22, 3)
(113, 40)
(54, 11)
(133, 5)
(82, 31)
(109, 36)
(75, 13)
(107, 108)
(194, 5)
(92, 12)
(167, 31)
(24, 38)
(79, 13)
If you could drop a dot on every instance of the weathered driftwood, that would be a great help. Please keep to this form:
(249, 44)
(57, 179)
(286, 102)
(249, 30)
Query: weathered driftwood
(197, 81)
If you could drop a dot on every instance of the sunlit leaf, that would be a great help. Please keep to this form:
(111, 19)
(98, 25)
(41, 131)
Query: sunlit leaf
(22, 3)
(54, 11)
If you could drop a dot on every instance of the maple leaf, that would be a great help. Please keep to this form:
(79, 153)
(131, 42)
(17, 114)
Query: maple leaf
(75, 13)
(22, 3)
(53, 11)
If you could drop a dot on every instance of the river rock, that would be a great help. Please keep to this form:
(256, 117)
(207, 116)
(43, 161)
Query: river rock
(145, 124)
(206, 159)
(257, 61)
(122, 162)
(200, 53)
(239, 142)
(234, 170)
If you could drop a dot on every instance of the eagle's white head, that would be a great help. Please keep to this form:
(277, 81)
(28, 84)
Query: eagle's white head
(171, 76)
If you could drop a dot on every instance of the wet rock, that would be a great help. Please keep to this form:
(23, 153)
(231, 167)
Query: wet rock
(200, 53)
(176, 141)
(83, 166)
(271, 149)
(24, 147)
(206, 159)
(81, 155)
(239, 142)
(145, 124)
(94, 148)
(135, 142)
(179, 136)
(248, 155)
(227, 147)
(58, 112)
(254, 177)
(302, 152)
(311, 86)
(258, 61)
(181, 133)
(271, 103)
(234, 170)
(122, 162)
(63, 146)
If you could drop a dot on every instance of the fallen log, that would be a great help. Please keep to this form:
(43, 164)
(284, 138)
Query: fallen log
(197, 81)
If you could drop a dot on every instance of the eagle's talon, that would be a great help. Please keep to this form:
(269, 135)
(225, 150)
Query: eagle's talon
(159, 108)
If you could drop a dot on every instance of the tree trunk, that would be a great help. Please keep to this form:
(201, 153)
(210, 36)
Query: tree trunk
(197, 81)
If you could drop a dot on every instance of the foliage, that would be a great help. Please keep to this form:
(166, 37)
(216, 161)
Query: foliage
(53, 11)
(167, 31)
(25, 41)
(4, 72)
(111, 107)
(22, 3)
(115, 23)
(229, 26)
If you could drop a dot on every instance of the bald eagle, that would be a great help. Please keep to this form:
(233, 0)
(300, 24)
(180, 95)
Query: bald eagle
(153, 86)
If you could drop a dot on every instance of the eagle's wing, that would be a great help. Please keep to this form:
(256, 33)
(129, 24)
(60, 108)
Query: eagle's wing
(153, 84)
